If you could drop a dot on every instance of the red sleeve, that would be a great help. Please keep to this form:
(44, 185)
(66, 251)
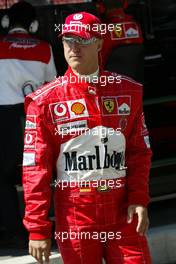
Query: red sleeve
(37, 173)
(138, 160)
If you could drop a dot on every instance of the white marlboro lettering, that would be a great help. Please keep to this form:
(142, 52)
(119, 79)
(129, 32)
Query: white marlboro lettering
(73, 162)
(98, 154)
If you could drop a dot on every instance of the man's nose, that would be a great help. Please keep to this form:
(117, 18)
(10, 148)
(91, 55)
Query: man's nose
(74, 46)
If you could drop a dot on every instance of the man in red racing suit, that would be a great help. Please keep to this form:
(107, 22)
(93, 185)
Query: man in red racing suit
(94, 134)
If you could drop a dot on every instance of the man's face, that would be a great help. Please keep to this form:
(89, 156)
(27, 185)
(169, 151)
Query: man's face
(81, 56)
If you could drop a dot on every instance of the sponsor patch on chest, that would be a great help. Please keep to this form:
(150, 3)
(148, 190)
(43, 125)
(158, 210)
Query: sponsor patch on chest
(71, 127)
(72, 109)
(116, 105)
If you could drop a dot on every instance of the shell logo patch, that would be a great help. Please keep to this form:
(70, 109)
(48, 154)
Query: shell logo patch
(77, 108)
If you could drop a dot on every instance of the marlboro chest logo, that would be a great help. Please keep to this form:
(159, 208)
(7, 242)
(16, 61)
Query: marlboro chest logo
(124, 105)
(109, 105)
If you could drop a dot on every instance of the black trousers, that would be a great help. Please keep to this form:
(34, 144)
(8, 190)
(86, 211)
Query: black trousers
(12, 120)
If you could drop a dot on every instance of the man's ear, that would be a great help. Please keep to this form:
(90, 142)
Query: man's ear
(100, 44)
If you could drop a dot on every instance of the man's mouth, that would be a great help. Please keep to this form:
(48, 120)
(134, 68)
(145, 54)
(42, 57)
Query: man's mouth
(75, 56)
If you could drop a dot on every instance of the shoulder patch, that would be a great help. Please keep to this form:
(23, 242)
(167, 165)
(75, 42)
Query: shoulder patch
(45, 88)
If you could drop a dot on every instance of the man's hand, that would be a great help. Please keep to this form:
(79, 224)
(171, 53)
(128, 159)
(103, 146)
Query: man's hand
(143, 221)
(40, 248)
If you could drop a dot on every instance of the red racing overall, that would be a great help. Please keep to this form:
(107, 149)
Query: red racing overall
(88, 132)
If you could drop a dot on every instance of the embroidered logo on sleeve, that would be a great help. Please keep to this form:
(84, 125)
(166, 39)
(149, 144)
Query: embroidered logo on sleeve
(30, 122)
(30, 140)
(29, 159)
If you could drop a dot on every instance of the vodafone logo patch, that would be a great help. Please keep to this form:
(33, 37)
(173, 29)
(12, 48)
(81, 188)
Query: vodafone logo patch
(30, 140)
(60, 110)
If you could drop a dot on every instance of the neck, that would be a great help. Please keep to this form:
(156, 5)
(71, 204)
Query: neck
(89, 69)
(85, 72)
